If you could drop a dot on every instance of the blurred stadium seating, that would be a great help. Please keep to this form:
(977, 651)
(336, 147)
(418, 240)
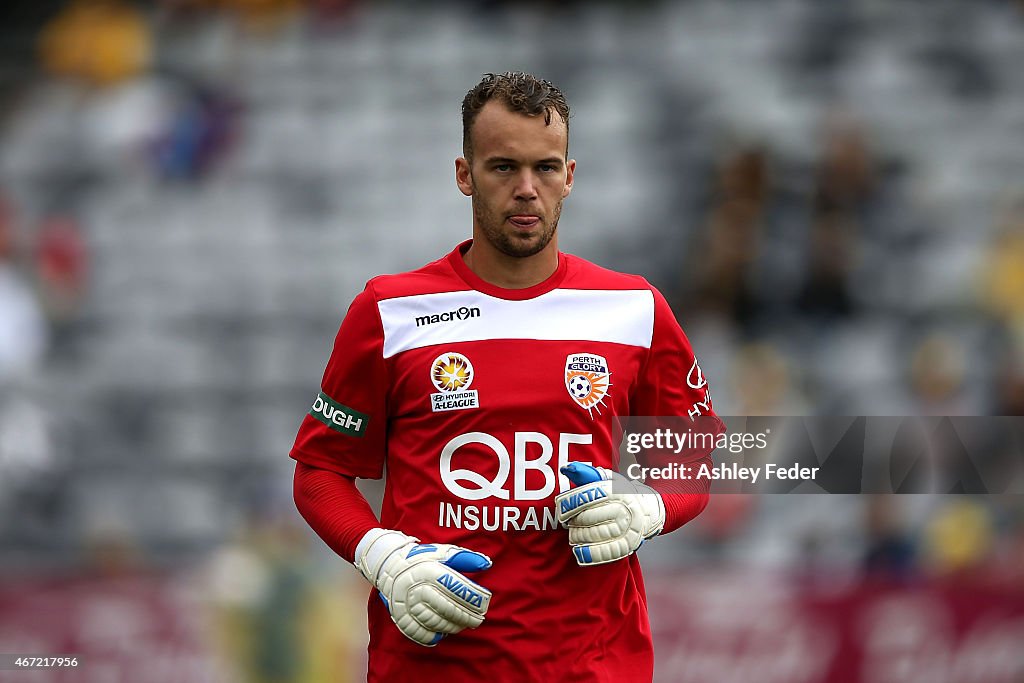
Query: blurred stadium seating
(830, 194)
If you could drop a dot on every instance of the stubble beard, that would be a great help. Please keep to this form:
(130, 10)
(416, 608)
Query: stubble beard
(504, 239)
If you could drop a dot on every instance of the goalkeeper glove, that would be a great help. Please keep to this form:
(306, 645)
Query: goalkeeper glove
(608, 515)
(422, 585)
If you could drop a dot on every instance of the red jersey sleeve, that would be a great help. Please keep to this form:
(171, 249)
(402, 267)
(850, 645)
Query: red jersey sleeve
(672, 385)
(346, 428)
(333, 507)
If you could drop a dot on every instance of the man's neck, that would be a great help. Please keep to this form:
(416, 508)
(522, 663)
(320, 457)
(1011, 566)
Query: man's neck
(511, 272)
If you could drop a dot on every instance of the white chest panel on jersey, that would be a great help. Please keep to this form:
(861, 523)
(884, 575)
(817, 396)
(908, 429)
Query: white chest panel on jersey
(600, 315)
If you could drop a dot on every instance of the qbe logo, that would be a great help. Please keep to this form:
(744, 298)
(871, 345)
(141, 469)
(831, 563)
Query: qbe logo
(469, 484)
(527, 470)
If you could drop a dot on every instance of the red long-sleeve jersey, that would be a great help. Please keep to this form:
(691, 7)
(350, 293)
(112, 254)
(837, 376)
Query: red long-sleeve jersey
(471, 397)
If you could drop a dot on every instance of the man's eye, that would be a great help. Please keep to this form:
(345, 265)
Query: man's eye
(547, 168)
(502, 168)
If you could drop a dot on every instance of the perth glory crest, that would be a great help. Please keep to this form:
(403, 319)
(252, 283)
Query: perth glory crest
(587, 379)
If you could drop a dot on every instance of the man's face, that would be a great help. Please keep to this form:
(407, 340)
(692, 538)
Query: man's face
(518, 177)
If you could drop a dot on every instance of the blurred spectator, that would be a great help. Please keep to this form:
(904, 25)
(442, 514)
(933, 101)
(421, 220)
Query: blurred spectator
(1002, 272)
(62, 265)
(959, 537)
(98, 41)
(276, 644)
(844, 187)
(889, 552)
(762, 382)
(272, 621)
(1010, 388)
(26, 450)
(23, 332)
(937, 376)
(27, 455)
(200, 132)
(724, 261)
(832, 250)
(845, 182)
(1002, 296)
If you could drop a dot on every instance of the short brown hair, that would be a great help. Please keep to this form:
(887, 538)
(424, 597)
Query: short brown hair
(520, 92)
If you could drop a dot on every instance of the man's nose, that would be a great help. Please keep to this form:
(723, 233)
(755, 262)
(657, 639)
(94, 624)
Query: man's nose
(526, 188)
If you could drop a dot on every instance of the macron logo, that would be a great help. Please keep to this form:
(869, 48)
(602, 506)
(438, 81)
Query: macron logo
(461, 313)
(460, 589)
(585, 496)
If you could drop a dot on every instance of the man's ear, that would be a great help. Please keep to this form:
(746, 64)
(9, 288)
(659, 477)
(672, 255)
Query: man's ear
(464, 176)
(570, 169)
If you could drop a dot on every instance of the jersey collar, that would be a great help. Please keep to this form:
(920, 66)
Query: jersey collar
(477, 283)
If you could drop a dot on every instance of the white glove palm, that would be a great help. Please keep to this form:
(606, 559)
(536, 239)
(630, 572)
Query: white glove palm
(608, 515)
(422, 585)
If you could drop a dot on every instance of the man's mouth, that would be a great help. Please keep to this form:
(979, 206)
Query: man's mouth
(524, 220)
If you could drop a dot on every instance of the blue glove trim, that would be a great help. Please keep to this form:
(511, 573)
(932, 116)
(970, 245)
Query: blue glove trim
(581, 473)
(582, 554)
(468, 561)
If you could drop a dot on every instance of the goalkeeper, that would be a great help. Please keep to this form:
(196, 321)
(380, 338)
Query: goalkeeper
(491, 384)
